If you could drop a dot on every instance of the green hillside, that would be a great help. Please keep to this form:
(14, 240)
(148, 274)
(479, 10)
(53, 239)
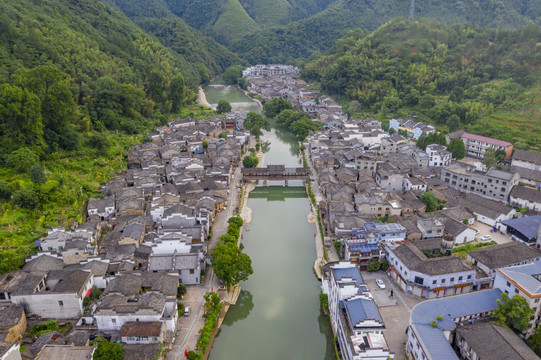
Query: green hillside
(229, 20)
(318, 33)
(457, 76)
(79, 84)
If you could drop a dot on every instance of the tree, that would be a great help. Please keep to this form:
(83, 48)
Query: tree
(276, 106)
(179, 93)
(21, 160)
(453, 122)
(205, 144)
(432, 203)
(457, 147)
(26, 198)
(514, 312)
(98, 142)
(254, 119)
(489, 158)
(236, 220)
(37, 175)
(500, 156)
(230, 264)
(534, 342)
(232, 74)
(5, 190)
(250, 161)
(223, 107)
(108, 351)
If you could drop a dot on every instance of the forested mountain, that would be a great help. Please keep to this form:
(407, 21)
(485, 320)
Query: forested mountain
(224, 20)
(455, 75)
(79, 83)
(318, 33)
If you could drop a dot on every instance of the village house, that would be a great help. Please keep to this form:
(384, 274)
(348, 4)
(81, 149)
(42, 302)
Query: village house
(428, 341)
(12, 322)
(483, 339)
(427, 277)
(438, 155)
(530, 160)
(57, 294)
(525, 197)
(412, 128)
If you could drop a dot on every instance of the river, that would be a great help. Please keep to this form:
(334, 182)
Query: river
(277, 315)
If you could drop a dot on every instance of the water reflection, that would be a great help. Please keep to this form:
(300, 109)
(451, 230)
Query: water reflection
(245, 304)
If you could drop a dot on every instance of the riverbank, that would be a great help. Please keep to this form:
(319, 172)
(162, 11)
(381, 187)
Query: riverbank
(202, 98)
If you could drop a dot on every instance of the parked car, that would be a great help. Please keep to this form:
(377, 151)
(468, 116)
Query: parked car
(186, 311)
(380, 283)
(485, 238)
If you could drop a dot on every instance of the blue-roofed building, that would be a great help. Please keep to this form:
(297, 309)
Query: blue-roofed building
(523, 280)
(355, 318)
(524, 229)
(425, 341)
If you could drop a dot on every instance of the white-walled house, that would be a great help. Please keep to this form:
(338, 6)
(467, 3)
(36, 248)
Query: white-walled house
(114, 310)
(438, 155)
(427, 277)
(56, 294)
(525, 197)
(425, 341)
(139, 332)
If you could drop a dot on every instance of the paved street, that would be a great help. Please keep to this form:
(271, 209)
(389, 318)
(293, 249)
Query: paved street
(395, 312)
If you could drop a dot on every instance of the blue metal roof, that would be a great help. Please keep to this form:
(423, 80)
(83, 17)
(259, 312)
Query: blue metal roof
(364, 248)
(449, 308)
(527, 225)
(350, 272)
(359, 310)
(524, 275)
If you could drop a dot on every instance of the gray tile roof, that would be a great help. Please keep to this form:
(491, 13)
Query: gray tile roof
(526, 193)
(527, 156)
(10, 315)
(44, 263)
(415, 260)
(433, 339)
(498, 256)
(487, 339)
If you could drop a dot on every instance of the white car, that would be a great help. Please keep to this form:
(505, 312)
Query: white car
(380, 283)
(485, 238)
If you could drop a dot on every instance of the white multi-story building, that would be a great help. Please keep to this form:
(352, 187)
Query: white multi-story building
(523, 280)
(354, 315)
(438, 155)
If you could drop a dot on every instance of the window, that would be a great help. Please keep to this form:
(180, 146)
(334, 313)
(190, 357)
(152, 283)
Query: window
(452, 279)
(460, 278)
(192, 271)
(469, 277)
(434, 282)
(536, 301)
(113, 321)
(419, 280)
(442, 281)
(516, 291)
(508, 284)
(60, 302)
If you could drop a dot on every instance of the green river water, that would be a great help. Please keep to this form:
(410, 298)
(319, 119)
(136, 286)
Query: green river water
(277, 315)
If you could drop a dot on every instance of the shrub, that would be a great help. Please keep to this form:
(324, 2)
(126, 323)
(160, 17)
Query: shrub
(324, 300)
(374, 266)
(26, 198)
(21, 160)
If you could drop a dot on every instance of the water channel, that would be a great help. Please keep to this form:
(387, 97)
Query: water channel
(277, 315)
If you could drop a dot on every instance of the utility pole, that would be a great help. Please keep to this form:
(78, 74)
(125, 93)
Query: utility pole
(412, 9)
